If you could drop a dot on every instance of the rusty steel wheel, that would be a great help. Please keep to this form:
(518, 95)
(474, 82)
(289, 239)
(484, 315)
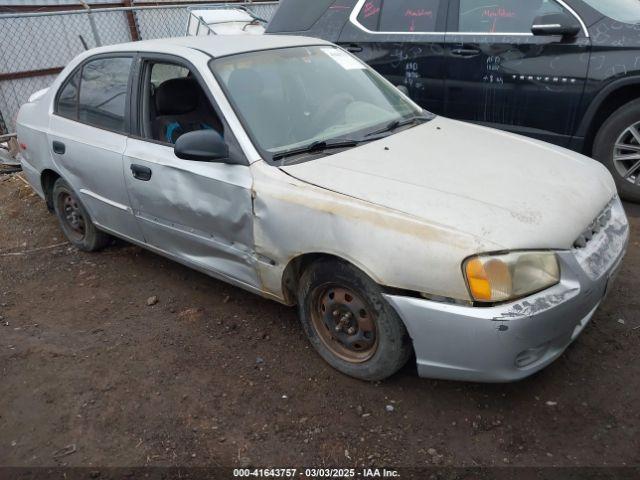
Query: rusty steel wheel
(345, 324)
(74, 219)
(349, 322)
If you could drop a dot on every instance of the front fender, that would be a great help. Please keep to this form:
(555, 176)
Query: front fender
(292, 218)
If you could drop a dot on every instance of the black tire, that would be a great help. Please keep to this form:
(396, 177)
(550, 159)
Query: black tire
(392, 343)
(605, 145)
(74, 220)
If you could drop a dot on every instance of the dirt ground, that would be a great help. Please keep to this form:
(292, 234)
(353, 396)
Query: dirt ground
(210, 375)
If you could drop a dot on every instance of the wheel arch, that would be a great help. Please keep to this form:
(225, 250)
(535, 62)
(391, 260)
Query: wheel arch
(298, 264)
(606, 102)
(48, 178)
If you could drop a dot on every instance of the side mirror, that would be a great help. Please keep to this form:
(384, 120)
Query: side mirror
(555, 24)
(403, 89)
(202, 146)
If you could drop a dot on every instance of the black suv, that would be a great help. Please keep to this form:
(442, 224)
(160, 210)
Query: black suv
(563, 71)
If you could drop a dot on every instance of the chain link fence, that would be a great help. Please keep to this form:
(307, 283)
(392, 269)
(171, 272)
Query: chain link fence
(34, 47)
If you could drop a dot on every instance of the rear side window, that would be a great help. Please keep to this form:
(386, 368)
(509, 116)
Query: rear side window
(504, 16)
(369, 16)
(96, 94)
(399, 15)
(103, 93)
(68, 98)
(298, 16)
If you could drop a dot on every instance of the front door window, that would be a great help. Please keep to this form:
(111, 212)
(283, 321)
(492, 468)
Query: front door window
(503, 16)
(174, 103)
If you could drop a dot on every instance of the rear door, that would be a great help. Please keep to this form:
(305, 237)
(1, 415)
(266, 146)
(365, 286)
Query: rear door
(404, 41)
(88, 135)
(197, 212)
(501, 75)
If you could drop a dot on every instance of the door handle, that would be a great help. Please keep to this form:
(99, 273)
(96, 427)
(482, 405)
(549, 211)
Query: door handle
(465, 52)
(58, 147)
(140, 172)
(353, 48)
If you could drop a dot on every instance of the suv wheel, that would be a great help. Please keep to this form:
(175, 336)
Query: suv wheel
(75, 221)
(349, 323)
(617, 146)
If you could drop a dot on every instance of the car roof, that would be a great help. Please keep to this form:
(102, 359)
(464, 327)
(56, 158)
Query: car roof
(220, 45)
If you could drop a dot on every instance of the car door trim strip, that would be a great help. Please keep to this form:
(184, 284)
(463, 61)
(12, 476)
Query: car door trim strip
(105, 200)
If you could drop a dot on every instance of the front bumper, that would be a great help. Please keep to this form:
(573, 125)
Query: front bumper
(512, 341)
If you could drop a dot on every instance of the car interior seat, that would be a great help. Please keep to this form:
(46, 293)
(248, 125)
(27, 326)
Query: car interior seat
(180, 107)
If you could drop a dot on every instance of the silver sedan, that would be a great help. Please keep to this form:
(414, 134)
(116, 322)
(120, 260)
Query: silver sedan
(287, 167)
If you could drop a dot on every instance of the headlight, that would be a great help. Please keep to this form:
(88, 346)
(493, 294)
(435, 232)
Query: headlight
(501, 277)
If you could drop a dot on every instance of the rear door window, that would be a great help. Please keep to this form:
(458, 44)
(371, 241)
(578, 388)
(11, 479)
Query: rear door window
(67, 105)
(409, 15)
(399, 15)
(103, 93)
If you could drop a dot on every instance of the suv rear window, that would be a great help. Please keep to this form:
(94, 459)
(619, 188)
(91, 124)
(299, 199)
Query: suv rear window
(292, 18)
(399, 15)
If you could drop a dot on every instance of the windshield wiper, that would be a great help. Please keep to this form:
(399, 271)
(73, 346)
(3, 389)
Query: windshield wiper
(395, 124)
(317, 146)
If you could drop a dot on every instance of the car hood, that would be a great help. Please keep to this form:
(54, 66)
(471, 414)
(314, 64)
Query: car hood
(506, 190)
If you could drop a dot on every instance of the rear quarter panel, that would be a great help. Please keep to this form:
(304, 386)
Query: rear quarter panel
(33, 127)
(32, 130)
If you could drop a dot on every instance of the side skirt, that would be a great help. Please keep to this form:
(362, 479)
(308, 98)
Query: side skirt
(195, 266)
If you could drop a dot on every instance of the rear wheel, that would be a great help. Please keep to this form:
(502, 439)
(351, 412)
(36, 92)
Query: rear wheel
(349, 323)
(74, 219)
(617, 146)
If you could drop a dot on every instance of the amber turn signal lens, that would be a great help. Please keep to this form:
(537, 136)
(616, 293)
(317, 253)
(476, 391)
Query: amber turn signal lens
(478, 282)
(502, 277)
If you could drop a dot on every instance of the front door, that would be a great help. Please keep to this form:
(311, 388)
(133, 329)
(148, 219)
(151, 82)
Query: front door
(403, 40)
(197, 212)
(499, 74)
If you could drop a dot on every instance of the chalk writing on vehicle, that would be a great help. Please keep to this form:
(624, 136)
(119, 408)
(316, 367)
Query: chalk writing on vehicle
(370, 9)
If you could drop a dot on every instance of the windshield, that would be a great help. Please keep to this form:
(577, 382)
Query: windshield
(293, 97)
(625, 11)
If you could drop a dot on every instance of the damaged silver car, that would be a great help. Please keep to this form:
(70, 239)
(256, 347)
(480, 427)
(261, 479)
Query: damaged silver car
(287, 167)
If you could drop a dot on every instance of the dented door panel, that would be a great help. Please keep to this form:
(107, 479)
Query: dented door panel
(197, 211)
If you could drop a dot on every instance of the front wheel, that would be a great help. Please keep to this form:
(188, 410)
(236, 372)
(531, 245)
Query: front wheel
(349, 323)
(75, 221)
(617, 146)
